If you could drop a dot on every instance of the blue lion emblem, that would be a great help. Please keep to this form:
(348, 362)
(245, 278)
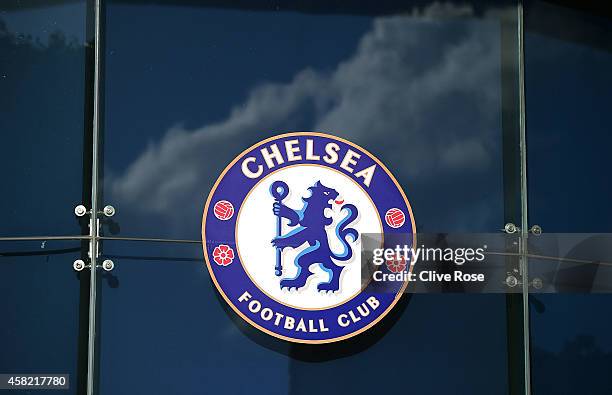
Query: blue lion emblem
(311, 230)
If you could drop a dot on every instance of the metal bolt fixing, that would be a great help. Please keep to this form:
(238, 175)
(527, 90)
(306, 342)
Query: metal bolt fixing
(510, 228)
(511, 281)
(108, 265)
(536, 230)
(78, 265)
(109, 210)
(80, 210)
(537, 283)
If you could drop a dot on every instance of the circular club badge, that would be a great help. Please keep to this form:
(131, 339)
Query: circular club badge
(282, 233)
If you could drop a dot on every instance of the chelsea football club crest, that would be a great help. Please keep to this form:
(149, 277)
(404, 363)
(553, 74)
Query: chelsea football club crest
(282, 233)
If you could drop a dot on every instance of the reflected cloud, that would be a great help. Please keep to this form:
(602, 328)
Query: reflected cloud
(43, 24)
(421, 91)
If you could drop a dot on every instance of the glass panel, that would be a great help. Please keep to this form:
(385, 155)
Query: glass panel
(425, 88)
(571, 263)
(161, 318)
(421, 89)
(42, 85)
(41, 312)
(569, 91)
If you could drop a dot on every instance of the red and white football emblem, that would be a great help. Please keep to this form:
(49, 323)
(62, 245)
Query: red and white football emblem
(395, 217)
(224, 210)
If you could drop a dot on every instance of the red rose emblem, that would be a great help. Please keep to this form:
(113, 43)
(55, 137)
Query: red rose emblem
(223, 255)
(396, 265)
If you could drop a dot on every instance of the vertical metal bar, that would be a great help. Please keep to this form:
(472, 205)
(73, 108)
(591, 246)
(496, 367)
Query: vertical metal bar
(524, 218)
(93, 222)
(512, 195)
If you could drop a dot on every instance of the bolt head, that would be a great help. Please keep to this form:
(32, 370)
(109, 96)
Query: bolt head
(510, 228)
(108, 265)
(536, 230)
(80, 210)
(78, 265)
(109, 211)
(511, 281)
(537, 283)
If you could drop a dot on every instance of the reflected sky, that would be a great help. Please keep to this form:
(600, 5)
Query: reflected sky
(41, 22)
(568, 99)
(187, 89)
(420, 90)
(42, 104)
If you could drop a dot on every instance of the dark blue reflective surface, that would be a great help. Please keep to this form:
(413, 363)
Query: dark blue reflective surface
(421, 90)
(164, 329)
(42, 85)
(39, 300)
(569, 91)
(189, 88)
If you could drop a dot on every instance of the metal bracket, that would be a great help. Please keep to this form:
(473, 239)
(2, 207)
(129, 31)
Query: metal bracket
(510, 228)
(94, 236)
(79, 265)
(107, 211)
(513, 281)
